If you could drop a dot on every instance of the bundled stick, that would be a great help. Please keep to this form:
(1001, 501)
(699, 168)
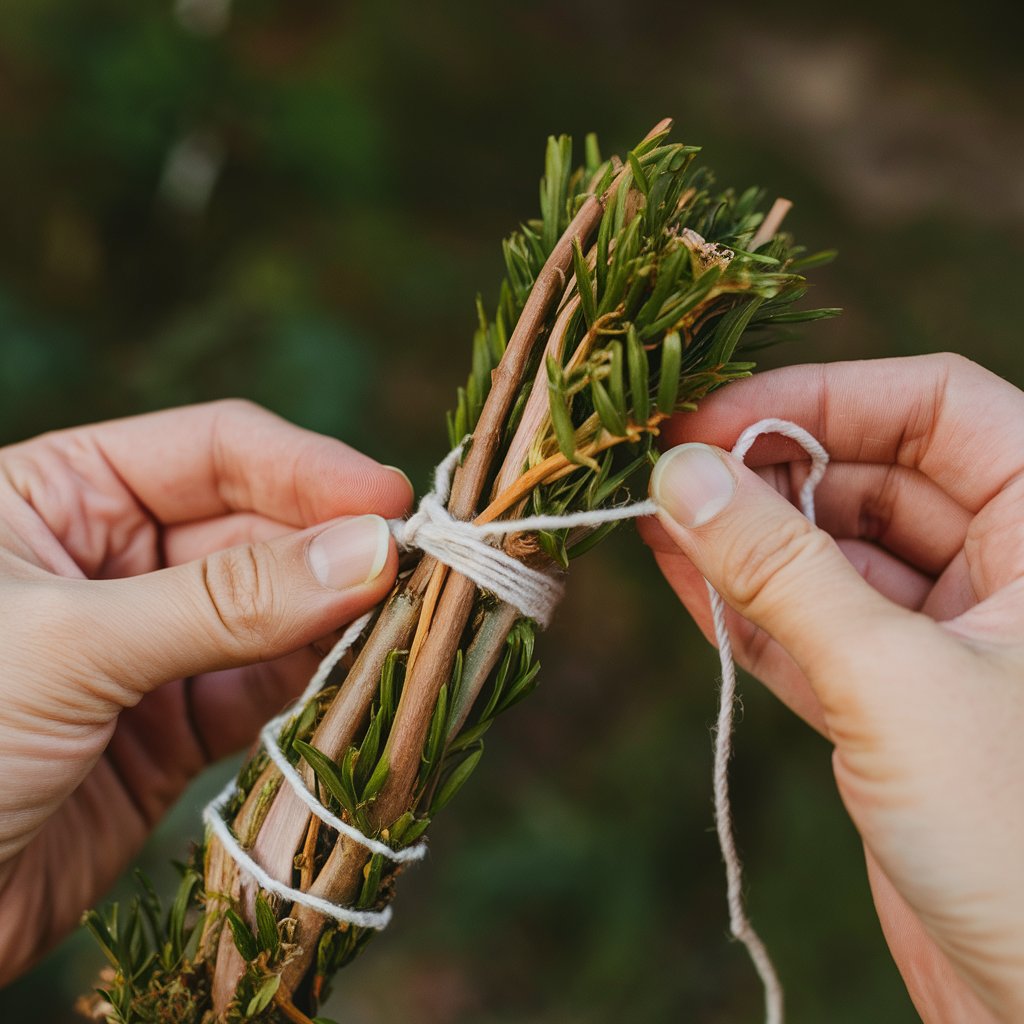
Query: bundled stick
(633, 295)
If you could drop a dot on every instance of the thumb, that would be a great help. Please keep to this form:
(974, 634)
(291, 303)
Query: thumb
(237, 606)
(769, 562)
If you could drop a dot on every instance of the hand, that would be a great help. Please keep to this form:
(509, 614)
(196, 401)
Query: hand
(896, 629)
(162, 580)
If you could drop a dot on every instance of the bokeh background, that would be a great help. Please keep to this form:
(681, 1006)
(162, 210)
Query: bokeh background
(297, 202)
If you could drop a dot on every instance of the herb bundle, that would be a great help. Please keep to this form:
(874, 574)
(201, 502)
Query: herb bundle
(640, 288)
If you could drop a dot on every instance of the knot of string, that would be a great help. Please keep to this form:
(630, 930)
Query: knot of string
(468, 548)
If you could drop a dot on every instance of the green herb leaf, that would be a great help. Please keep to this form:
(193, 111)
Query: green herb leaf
(584, 284)
(94, 922)
(377, 778)
(561, 417)
(799, 316)
(616, 377)
(522, 686)
(456, 780)
(266, 926)
(638, 173)
(371, 881)
(264, 994)
(179, 908)
(639, 387)
(245, 941)
(730, 327)
(611, 418)
(328, 774)
(818, 259)
(668, 381)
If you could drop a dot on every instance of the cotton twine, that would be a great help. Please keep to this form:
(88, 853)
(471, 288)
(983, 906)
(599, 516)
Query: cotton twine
(467, 548)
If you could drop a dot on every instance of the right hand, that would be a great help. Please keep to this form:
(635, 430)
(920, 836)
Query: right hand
(896, 628)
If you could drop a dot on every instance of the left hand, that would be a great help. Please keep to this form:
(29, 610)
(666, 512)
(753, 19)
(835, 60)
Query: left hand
(162, 580)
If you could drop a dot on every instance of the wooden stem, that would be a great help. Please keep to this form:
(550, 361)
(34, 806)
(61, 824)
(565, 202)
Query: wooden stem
(283, 829)
(436, 648)
(290, 1010)
(771, 223)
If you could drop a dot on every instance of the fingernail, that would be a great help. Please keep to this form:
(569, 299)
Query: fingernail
(351, 552)
(692, 484)
(403, 475)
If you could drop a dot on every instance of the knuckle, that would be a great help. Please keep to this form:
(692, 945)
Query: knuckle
(953, 362)
(878, 509)
(232, 407)
(238, 586)
(758, 569)
(754, 646)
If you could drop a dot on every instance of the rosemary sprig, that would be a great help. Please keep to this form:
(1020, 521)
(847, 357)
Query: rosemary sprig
(640, 288)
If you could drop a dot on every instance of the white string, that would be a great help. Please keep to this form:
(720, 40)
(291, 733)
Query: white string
(462, 546)
(213, 813)
(270, 738)
(739, 923)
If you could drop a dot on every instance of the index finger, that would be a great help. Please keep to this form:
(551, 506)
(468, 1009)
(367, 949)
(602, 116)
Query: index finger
(959, 424)
(206, 460)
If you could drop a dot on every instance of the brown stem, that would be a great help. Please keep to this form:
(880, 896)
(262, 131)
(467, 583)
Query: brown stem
(342, 870)
(535, 412)
(481, 657)
(430, 599)
(220, 872)
(290, 1010)
(771, 223)
(286, 820)
(412, 718)
(432, 668)
(339, 879)
(305, 861)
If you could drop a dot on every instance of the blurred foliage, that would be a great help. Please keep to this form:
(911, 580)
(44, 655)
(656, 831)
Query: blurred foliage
(299, 205)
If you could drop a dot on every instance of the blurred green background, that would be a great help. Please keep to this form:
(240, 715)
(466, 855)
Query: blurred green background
(297, 202)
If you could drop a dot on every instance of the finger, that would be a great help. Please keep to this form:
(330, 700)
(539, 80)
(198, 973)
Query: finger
(771, 565)
(762, 656)
(920, 412)
(185, 542)
(229, 708)
(995, 547)
(753, 648)
(166, 739)
(894, 506)
(202, 461)
(234, 607)
(893, 578)
(987, 570)
(953, 593)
